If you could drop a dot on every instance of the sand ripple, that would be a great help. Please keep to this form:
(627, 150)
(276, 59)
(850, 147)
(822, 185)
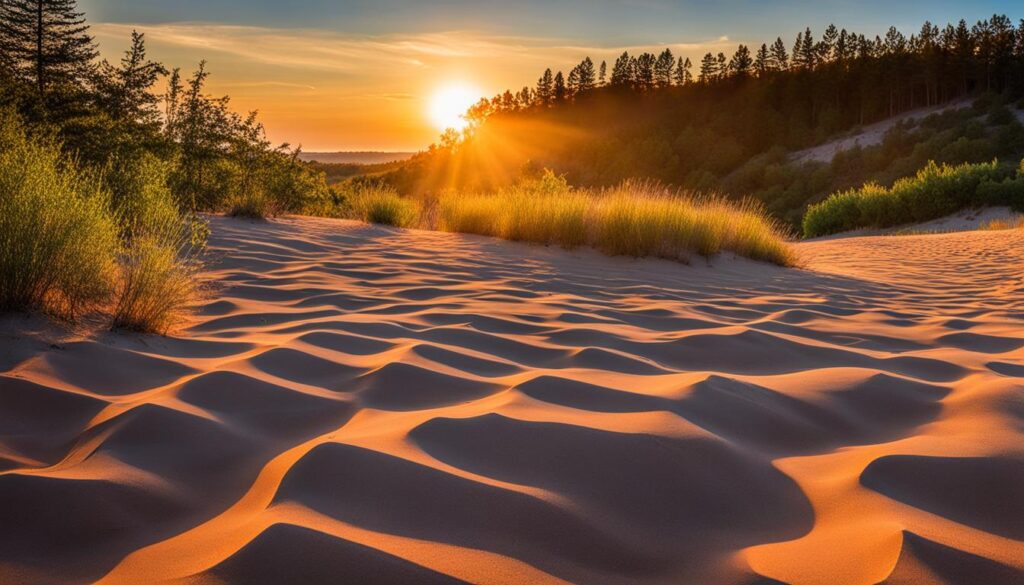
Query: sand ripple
(365, 405)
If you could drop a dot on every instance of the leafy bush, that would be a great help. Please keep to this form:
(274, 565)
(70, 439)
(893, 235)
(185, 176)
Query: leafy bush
(58, 239)
(935, 191)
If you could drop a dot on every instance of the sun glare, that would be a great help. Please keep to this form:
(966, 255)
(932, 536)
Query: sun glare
(448, 106)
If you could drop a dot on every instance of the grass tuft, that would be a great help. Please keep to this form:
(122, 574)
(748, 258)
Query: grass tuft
(382, 204)
(1011, 223)
(635, 219)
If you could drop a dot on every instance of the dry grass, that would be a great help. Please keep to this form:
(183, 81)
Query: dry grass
(382, 204)
(1010, 223)
(635, 219)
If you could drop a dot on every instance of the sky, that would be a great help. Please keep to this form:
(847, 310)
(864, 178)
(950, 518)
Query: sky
(360, 74)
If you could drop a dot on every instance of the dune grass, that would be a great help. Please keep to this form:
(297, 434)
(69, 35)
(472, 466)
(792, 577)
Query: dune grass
(159, 263)
(58, 241)
(935, 191)
(1010, 223)
(383, 204)
(634, 219)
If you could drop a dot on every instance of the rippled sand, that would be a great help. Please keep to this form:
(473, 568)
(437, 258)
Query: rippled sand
(356, 404)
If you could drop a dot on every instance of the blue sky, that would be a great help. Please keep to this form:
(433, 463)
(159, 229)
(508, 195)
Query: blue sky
(359, 74)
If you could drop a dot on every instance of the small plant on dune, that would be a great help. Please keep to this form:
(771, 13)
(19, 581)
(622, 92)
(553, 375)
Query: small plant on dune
(160, 260)
(58, 239)
(382, 204)
(252, 204)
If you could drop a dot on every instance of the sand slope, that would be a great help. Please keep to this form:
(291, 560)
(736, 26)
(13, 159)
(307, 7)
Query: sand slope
(357, 404)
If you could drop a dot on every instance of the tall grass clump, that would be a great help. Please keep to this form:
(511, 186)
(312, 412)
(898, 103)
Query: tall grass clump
(635, 219)
(160, 258)
(382, 204)
(58, 240)
(935, 191)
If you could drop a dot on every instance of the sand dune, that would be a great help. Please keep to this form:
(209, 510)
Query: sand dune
(356, 404)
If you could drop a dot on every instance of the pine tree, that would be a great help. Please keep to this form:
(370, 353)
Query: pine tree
(644, 72)
(824, 49)
(573, 81)
(809, 51)
(585, 71)
(124, 92)
(763, 62)
(708, 68)
(780, 59)
(603, 77)
(663, 68)
(687, 75)
(721, 66)
(47, 42)
(545, 93)
(741, 62)
(561, 92)
(621, 74)
(679, 76)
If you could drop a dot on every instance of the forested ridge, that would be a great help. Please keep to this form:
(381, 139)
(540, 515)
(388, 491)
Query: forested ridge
(728, 123)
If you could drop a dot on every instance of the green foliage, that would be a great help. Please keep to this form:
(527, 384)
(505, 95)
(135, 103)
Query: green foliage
(936, 190)
(58, 240)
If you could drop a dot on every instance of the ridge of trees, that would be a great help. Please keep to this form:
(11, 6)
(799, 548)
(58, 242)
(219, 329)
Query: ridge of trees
(728, 124)
(931, 66)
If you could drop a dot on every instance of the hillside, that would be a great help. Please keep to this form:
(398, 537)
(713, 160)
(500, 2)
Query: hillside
(355, 403)
(768, 129)
(355, 158)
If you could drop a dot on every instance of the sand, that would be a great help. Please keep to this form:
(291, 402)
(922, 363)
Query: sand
(356, 404)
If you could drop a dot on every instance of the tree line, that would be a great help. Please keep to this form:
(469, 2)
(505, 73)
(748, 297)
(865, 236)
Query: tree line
(931, 66)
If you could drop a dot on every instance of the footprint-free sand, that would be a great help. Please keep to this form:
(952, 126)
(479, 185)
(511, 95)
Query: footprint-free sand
(357, 404)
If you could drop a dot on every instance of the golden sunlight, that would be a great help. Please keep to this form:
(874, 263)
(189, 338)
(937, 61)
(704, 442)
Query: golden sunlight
(449, 103)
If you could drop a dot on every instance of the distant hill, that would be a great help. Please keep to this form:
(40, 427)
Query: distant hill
(355, 158)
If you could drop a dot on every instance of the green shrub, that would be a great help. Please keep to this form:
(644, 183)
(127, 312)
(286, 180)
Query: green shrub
(58, 239)
(935, 191)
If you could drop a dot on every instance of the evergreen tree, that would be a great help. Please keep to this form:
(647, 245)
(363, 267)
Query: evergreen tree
(663, 68)
(741, 62)
(708, 68)
(573, 81)
(687, 75)
(721, 66)
(809, 51)
(679, 75)
(780, 59)
(763, 62)
(644, 73)
(545, 93)
(561, 92)
(603, 77)
(124, 92)
(621, 72)
(585, 71)
(47, 42)
(823, 50)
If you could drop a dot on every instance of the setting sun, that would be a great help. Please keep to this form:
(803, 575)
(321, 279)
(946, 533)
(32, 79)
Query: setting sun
(448, 106)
